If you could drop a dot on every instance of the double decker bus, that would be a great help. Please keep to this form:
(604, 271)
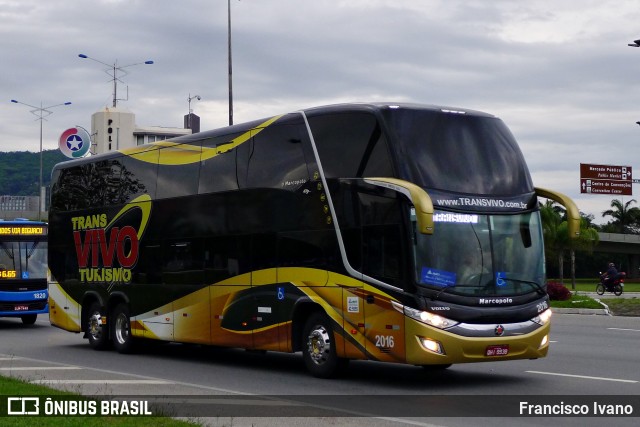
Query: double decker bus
(390, 232)
(23, 269)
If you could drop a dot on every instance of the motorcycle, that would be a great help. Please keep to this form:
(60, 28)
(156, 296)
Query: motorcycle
(616, 286)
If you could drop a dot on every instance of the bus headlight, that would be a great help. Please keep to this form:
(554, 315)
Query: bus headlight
(542, 318)
(429, 318)
(432, 345)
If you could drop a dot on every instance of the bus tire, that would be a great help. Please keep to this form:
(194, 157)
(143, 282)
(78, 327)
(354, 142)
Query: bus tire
(319, 347)
(29, 319)
(121, 329)
(96, 331)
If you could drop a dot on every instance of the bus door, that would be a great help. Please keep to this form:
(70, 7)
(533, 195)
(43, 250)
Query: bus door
(384, 260)
(372, 231)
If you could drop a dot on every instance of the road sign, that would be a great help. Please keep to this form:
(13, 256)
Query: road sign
(605, 186)
(606, 179)
(618, 173)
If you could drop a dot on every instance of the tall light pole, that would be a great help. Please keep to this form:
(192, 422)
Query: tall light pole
(190, 110)
(113, 71)
(41, 113)
(229, 60)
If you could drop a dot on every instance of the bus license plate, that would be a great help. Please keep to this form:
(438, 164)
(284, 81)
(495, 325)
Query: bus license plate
(21, 308)
(496, 350)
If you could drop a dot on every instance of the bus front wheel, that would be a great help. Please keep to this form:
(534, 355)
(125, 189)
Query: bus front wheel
(319, 347)
(121, 329)
(96, 330)
(29, 319)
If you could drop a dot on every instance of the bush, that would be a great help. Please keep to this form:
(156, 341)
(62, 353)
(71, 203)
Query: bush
(558, 291)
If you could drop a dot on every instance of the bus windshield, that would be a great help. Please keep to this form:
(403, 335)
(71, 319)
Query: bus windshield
(481, 255)
(455, 152)
(24, 259)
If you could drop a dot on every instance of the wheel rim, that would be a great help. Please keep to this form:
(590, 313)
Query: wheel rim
(122, 328)
(95, 326)
(319, 345)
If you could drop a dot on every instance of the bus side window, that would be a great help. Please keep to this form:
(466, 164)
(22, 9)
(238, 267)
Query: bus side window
(218, 171)
(183, 262)
(351, 145)
(277, 159)
(177, 180)
(226, 257)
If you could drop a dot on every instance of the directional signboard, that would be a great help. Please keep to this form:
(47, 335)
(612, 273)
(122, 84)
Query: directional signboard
(605, 179)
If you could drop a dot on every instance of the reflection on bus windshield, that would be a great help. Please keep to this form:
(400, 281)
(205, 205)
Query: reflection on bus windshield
(481, 255)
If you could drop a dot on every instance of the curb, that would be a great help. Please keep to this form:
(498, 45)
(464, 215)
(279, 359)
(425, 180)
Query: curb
(591, 311)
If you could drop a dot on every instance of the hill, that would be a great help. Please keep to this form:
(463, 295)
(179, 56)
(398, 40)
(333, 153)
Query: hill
(20, 171)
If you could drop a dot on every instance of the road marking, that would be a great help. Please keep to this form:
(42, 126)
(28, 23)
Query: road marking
(100, 382)
(623, 329)
(582, 376)
(35, 368)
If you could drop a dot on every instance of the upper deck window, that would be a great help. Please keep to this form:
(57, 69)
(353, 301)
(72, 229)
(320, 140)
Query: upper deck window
(351, 145)
(464, 153)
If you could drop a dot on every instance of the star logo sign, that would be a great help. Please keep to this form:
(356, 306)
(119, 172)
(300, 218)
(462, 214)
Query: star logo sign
(499, 330)
(74, 142)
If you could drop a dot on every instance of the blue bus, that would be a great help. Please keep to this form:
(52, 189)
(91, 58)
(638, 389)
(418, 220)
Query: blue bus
(23, 269)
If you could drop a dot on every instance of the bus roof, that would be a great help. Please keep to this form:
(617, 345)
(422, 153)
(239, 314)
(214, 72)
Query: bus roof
(311, 111)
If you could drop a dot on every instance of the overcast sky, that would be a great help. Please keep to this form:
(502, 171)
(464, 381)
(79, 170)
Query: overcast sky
(559, 73)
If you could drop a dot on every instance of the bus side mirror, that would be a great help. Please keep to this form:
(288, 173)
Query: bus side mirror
(573, 214)
(418, 196)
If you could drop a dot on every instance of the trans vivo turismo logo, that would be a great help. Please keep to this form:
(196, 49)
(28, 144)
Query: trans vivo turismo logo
(105, 252)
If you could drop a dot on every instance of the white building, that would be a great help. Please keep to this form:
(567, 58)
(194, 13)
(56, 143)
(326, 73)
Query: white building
(115, 129)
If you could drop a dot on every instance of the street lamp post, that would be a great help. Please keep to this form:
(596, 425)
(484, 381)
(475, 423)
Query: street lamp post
(190, 110)
(41, 113)
(113, 72)
(229, 60)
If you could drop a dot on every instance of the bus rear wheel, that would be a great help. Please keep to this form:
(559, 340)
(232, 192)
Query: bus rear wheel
(319, 347)
(121, 329)
(29, 319)
(96, 330)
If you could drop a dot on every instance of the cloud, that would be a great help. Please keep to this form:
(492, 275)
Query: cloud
(559, 74)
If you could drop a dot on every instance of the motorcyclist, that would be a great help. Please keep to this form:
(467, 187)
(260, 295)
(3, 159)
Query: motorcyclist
(610, 275)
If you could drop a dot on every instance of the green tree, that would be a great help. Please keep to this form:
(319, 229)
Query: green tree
(556, 237)
(625, 218)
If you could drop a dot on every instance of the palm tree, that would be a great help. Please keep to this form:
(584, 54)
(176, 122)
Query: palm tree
(556, 237)
(625, 219)
(586, 241)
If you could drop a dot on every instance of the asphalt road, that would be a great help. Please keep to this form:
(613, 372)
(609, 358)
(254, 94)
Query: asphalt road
(593, 360)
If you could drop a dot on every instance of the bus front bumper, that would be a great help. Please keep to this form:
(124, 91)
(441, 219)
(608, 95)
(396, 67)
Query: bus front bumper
(427, 345)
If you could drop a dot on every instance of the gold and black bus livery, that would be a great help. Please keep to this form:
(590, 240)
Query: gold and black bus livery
(399, 233)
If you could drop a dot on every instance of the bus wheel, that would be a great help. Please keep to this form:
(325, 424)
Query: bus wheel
(121, 329)
(96, 331)
(29, 319)
(319, 349)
